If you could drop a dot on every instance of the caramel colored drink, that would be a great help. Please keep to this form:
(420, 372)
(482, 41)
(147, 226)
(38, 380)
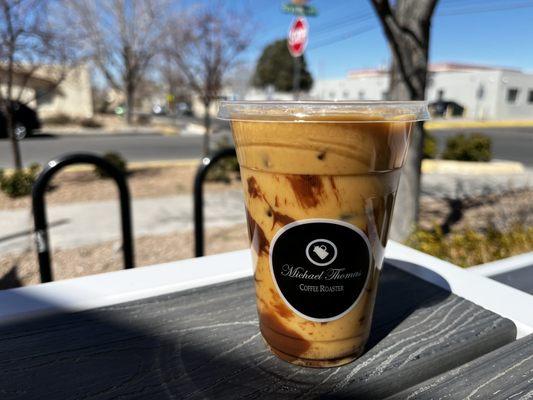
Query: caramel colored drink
(320, 179)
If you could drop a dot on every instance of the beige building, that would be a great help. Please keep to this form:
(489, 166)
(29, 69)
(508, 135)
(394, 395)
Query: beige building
(71, 97)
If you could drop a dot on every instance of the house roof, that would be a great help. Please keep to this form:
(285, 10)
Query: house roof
(434, 67)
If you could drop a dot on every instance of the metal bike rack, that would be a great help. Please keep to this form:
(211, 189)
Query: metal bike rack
(39, 207)
(203, 169)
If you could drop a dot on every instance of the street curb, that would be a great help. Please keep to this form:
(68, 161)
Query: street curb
(135, 165)
(461, 124)
(472, 168)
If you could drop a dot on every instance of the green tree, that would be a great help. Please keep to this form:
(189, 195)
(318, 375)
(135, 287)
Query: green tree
(276, 67)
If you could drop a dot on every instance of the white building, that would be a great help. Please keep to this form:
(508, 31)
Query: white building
(484, 92)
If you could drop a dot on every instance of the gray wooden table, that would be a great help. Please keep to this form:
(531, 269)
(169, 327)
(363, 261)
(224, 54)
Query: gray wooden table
(204, 343)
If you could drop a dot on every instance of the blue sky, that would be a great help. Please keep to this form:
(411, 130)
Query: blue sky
(494, 32)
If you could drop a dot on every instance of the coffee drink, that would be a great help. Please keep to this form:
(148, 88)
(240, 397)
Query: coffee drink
(319, 184)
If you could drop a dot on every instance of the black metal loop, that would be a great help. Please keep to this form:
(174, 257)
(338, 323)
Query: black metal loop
(203, 169)
(39, 207)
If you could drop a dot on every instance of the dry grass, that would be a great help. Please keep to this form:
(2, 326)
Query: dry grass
(469, 247)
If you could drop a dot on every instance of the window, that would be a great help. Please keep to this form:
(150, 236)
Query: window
(361, 95)
(44, 96)
(345, 94)
(440, 94)
(331, 95)
(512, 95)
(530, 96)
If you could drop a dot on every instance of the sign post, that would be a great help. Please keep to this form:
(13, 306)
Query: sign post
(296, 43)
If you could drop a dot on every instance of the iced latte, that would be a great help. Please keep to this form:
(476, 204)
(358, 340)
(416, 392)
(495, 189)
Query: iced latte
(320, 180)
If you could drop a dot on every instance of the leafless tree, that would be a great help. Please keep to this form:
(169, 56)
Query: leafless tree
(122, 37)
(205, 49)
(32, 45)
(407, 26)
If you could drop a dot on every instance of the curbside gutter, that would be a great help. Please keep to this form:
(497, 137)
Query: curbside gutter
(135, 165)
(465, 124)
(472, 168)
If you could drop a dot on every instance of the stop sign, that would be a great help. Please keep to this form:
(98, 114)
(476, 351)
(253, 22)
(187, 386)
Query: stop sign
(297, 38)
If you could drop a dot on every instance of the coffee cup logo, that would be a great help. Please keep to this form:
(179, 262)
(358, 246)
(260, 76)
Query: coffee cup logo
(321, 252)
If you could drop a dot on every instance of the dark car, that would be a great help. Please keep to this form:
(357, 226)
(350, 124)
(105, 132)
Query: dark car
(25, 121)
(443, 108)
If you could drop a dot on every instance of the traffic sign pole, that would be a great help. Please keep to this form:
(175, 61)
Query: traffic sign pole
(296, 43)
(296, 77)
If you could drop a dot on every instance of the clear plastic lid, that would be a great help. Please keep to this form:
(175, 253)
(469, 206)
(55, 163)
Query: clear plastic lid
(324, 111)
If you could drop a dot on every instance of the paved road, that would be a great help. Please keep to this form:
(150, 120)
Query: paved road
(508, 144)
(514, 144)
(135, 147)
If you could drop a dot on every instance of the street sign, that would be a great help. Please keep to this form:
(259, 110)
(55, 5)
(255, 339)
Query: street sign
(300, 7)
(297, 38)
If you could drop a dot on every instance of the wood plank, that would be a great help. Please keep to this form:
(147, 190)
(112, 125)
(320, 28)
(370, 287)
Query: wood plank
(506, 373)
(205, 343)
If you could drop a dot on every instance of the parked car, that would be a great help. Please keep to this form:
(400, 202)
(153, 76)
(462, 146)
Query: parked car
(443, 108)
(25, 121)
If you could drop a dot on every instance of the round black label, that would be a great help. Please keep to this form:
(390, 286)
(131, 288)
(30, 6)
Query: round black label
(320, 267)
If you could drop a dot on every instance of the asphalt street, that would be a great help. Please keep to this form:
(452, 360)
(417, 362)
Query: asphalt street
(514, 144)
(135, 147)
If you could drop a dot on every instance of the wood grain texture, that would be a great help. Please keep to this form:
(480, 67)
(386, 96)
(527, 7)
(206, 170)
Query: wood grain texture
(205, 343)
(506, 373)
(521, 279)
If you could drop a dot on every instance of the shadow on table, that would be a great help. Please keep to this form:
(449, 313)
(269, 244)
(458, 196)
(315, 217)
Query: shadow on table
(203, 343)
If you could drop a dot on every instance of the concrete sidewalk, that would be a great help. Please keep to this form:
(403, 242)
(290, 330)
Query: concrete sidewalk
(87, 223)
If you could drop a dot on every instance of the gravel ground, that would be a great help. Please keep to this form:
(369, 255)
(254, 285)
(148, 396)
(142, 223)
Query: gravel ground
(502, 210)
(463, 186)
(70, 187)
(502, 201)
(21, 269)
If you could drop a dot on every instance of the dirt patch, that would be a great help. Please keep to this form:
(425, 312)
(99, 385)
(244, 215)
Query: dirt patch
(76, 186)
(22, 269)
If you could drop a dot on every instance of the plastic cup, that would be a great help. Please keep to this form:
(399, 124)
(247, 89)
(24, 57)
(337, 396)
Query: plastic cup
(320, 180)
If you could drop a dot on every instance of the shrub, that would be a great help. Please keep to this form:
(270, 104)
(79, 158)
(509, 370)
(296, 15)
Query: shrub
(58, 119)
(430, 146)
(476, 147)
(143, 119)
(468, 247)
(20, 182)
(223, 170)
(90, 123)
(117, 160)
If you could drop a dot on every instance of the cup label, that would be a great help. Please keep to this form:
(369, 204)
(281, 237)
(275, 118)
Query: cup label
(320, 267)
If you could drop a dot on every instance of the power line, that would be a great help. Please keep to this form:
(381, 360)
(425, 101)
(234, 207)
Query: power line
(323, 30)
(345, 21)
(503, 7)
(344, 36)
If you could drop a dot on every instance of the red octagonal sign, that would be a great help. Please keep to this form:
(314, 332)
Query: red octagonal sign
(297, 38)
